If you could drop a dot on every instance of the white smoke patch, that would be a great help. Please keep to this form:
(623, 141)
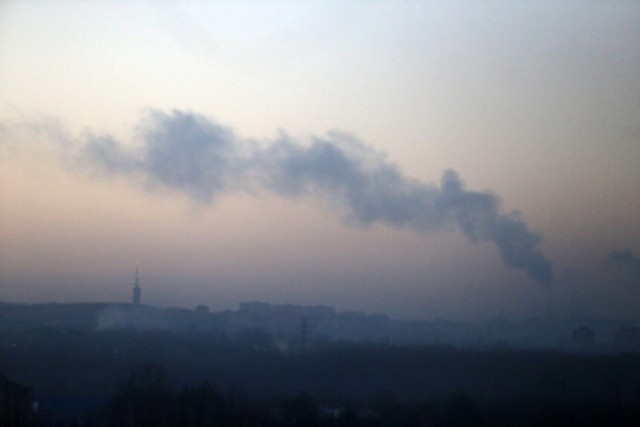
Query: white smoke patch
(139, 318)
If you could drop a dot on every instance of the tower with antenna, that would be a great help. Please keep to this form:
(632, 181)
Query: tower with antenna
(136, 288)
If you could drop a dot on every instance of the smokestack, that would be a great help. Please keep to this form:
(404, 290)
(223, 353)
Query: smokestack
(136, 288)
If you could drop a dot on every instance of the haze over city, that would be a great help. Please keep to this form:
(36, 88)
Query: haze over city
(422, 159)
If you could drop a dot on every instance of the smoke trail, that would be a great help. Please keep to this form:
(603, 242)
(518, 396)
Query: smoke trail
(193, 154)
(184, 151)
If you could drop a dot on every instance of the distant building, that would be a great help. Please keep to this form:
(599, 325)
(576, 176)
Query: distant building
(202, 310)
(16, 404)
(627, 338)
(583, 337)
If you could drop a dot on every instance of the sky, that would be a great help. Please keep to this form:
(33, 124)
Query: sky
(433, 159)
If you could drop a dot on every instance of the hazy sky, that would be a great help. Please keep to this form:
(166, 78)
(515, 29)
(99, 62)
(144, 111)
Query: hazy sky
(304, 152)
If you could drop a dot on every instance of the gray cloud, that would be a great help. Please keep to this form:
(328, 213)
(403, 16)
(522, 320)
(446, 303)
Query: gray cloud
(193, 154)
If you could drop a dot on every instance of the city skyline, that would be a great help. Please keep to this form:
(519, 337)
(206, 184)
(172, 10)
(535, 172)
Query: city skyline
(424, 160)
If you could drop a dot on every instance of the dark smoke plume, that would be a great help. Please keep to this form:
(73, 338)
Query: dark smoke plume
(191, 153)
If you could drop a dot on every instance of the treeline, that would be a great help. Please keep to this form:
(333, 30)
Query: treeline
(74, 372)
(146, 401)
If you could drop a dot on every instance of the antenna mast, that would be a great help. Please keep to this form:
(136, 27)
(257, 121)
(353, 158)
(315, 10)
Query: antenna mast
(136, 288)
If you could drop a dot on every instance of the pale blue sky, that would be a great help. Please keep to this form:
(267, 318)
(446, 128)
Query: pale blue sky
(538, 102)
